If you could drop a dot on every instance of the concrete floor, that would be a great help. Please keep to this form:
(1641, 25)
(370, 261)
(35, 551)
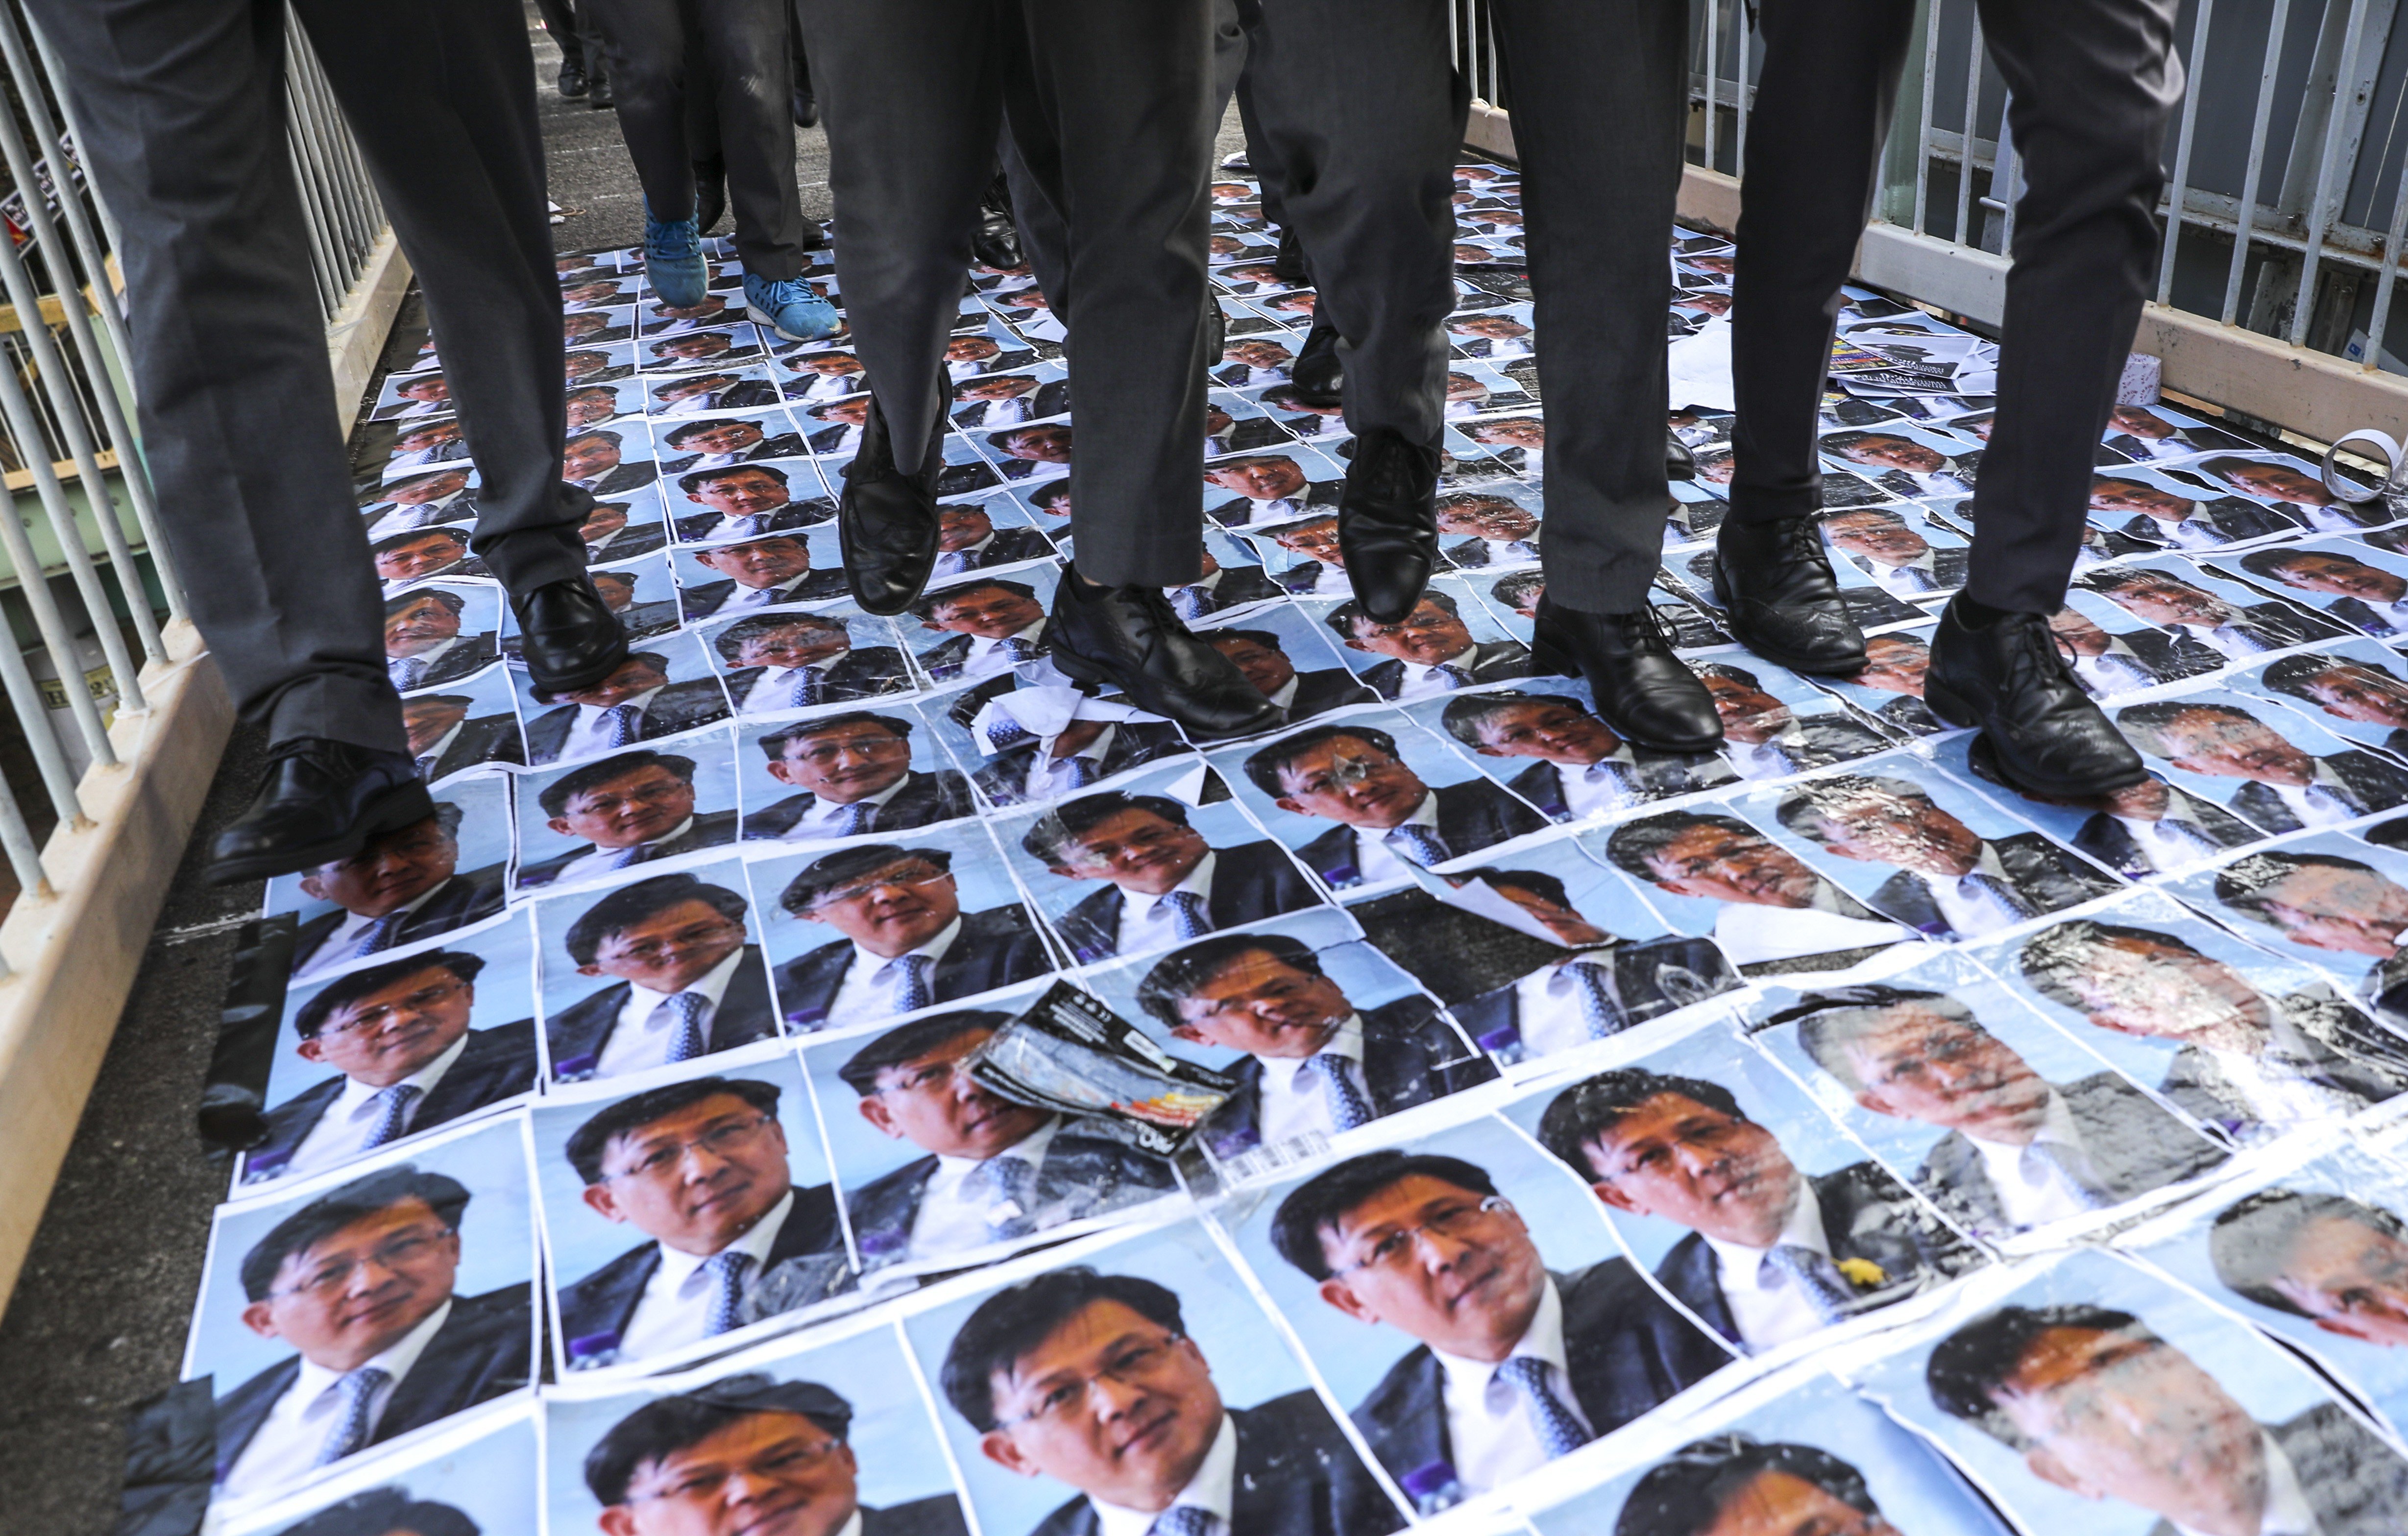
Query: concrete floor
(98, 1318)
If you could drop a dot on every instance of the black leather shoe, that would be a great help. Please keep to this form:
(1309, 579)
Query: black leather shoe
(1644, 690)
(1679, 462)
(2046, 734)
(1289, 265)
(886, 521)
(1387, 522)
(1780, 599)
(1216, 333)
(1127, 637)
(1317, 375)
(572, 81)
(710, 193)
(322, 800)
(569, 637)
(994, 239)
(807, 108)
(597, 95)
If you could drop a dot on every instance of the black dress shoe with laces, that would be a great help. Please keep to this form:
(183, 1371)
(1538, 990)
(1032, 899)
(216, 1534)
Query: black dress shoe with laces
(567, 635)
(994, 239)
(1289, 265)
(572, 79)
(1387, 523)
(1780, 599)
(1127, 637)
(1679, 462)
(1317, 376)
(322, 800)
(886, 521)
(1646, 692)
(807, 108)
(597, 92)
(2008, 677)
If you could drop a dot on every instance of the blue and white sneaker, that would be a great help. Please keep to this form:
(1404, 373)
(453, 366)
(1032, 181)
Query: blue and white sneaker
(673, 262)
(791, 307)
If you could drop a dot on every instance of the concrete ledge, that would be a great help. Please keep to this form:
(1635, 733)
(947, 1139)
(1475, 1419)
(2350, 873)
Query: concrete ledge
(76, 949)
(355, 336)
(1490, 130)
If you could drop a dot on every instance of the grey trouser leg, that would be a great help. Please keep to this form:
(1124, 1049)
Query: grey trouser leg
(186, 105)
(1363, 110)
(1109, 106)
(1599, 92)
(742, 45)
(560, 20)
(2095, 82)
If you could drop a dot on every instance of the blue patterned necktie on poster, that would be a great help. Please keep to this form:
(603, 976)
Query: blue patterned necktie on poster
(1189, 917)
(1082, 772)
(1191, 602)
(1815, 1276)
(350, 1431)
(910, 974)
(1559, 1432)
(622, 725)
(1006, 1189)
(1599, 1010)
(392, 1110)
(1979, 886)
(1419, 844)
(854, 820)
(685, 1011)
(1018, 648)
(726, 1271)
(1348, 1109)
(643, 853)
(751, 526)
(1184, 1520)
(1453, 676)
(378, 937)
(803, 688)
(407, 671)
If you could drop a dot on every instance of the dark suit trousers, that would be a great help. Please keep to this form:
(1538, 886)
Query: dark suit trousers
(740, 46)
(2094, 82)
(1599, 96)
(579, 44)
(1361, 107)
(1109, 106)
(185, 100)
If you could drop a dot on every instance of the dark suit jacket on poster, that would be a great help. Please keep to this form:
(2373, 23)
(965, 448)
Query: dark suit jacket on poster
(1005, 547)
(473, 654)
(595, 1310)
(923, 800)
(785, 519)
(626, 476)
(1083, 1175)
(786, 445)
(1471, 816)
(481, 1351)
(1472, 554)
(1296, 1476)
(944, 660)
(1239, 586)
(641, 621)
(743, 394)
(1135, 742)
(2336, 1046)
(1051, 398)
(1409, 1056)
(1867, 1214)
(2368, 784)
(1331, 688)
(1247, 435)
(1490, 662)
(1319, 498)
(462, 900)
(628, 543)
(710, 830)
(2357, 1484)
(815, 587)
(2230, 517)
(493, 739)
(1947, 572)
(1651, 977)
(939, 1514)
(1821, 740)
(2046, 878)
(1627, 1351)
(578, 1034)
(1251, 881)
(994, 949)
(678, 706)
(498, 1064)
(2167, 657)
(2133, 1144)
(1910, 717)
(863, 674)
(2111, 843)
(1660, 775)
(2360, 616)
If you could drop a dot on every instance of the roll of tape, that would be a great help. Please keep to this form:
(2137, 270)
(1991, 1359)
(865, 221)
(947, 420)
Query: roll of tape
(2383, 445)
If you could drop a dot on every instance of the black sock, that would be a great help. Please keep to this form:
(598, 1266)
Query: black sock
(1085, 588)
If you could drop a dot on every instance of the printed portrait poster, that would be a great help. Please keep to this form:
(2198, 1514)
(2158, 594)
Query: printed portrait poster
(1384, 1348)
(1560, 754)
(796, 566)
(1775, 724)
(1292, 660)
(594, 822)
(1889, 689)
(640, 591)
(278, 1331)
(2356, 689)
(1872, 607)
(837, 1416)
(1451, 640)
(475, 1479)
(847, 772)
(1171, 1313)
(665, 688)
(370, 1055)
(1029, 740)
(634, 1249)
(1836, 1240)
(2291, 484)
(2011, 1126)
(2151, 829)
(2272, 765)
(2329, 899)
(407, 889)
(2214, 1416)
(2247, 1041)
(1788, 1448)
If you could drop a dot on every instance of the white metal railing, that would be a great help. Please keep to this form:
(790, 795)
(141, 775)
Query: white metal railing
(99, 588)
(2284, 165)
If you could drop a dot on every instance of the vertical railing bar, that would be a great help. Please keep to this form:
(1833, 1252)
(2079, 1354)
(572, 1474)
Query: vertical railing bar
(328, 296)
(48, 620)
(24, 857)
(330, 214)
(1741, 107)
(304, 147)
(1931, 84)
(24, 695)
(2006, 177)
(2181, 192)
(2245, 214)
(2320, 207)
(349, 185)
(1964, 236)
(18, 410)
(2381, 317)
(75, 125)
(1714, 61)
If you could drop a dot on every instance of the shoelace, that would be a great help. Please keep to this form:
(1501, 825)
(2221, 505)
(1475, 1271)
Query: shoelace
(1801, 539)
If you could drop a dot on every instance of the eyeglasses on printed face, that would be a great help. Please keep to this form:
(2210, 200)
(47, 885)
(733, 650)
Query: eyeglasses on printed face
(1133, 1363)
(396, 1255)
(721, 1140)
(1458, 1219)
